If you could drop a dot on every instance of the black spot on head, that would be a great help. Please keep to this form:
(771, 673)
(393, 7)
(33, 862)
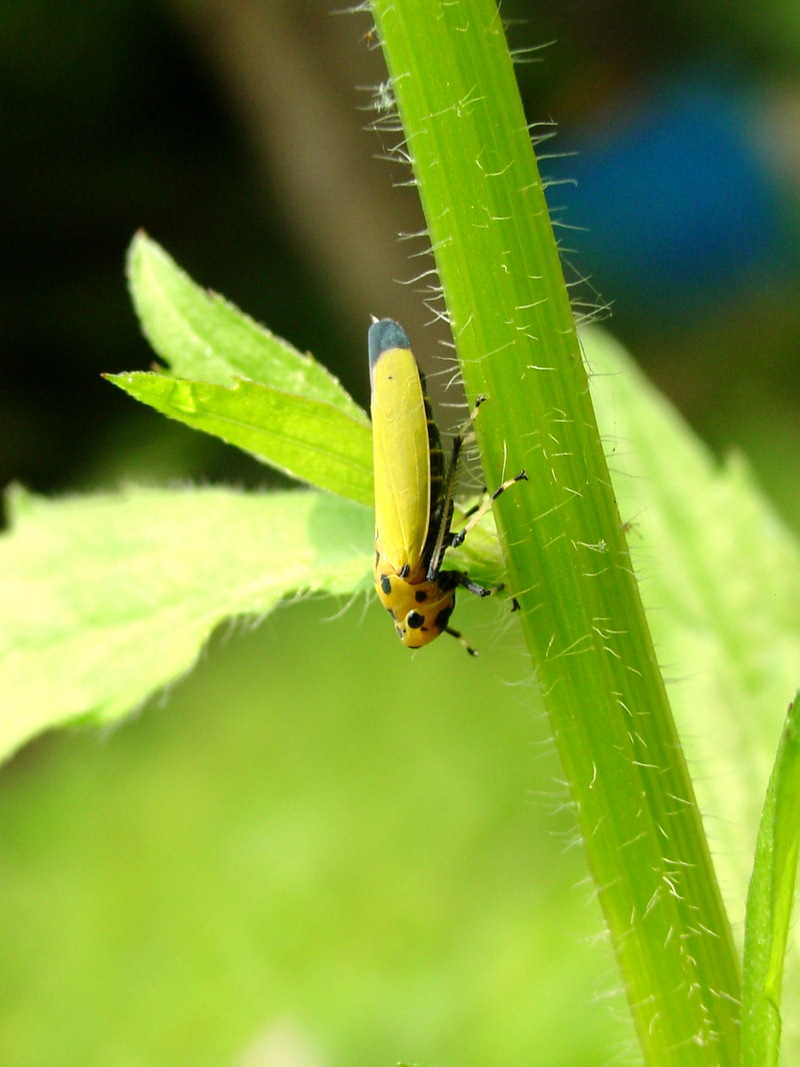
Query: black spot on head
(415, 620)
(420, 596)
(386, 585)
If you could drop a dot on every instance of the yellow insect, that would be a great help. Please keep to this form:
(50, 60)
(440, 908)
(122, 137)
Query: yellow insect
(414, 495)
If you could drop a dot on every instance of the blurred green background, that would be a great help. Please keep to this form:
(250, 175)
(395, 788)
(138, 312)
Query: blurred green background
(318, 850)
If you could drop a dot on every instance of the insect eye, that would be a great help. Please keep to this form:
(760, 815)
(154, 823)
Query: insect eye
(414, 620)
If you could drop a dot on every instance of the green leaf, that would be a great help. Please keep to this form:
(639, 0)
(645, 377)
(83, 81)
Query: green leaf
(720, 575)
(106, 599)
(721, 580)
(232, 378)
(202, 336)
(307, 439)
(770, 900)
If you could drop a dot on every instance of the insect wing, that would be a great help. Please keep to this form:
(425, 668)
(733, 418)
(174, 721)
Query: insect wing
(400, 446)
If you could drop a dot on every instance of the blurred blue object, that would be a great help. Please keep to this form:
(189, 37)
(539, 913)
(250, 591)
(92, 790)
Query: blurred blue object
(678, 199)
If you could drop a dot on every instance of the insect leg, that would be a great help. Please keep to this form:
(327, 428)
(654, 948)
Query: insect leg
(460, 639)
(453, 579)
(476, 514)
(444, 535)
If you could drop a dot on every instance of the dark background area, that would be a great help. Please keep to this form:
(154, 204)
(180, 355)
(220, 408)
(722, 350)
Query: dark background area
(234, 134)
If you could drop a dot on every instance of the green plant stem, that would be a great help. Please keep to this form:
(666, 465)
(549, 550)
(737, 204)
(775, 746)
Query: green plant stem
(567, 557)
(770, 900)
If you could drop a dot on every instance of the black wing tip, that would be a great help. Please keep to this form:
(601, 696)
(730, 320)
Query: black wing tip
(383, 335)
